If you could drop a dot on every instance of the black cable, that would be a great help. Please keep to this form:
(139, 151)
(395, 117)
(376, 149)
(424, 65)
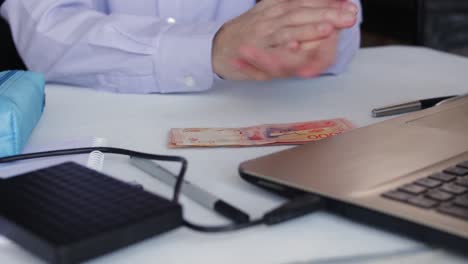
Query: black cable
(294, 208)
(127, 152)
(222, 228)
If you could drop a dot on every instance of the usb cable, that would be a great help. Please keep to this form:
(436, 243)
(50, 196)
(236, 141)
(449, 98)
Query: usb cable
(292, 209)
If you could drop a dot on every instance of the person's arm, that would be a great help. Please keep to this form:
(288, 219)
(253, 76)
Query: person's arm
(72, 43)
(291, 38)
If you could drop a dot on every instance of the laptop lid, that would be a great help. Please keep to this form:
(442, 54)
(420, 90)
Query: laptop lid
(366, 158)
(361, 174)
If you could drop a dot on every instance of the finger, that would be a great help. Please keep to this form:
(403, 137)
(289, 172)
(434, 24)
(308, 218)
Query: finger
(320, 56)
(315, 45)
(315, 67)
(250, 71)
(338, 18)
(267, 62)
(312, 68)
(284, 7)
(265, 4)
(268, 3)
(310, 32)
(293, 46)
(309, 45)
(309, 71)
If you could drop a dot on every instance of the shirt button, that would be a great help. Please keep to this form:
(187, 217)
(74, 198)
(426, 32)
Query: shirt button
(171, 20)
(189, 81)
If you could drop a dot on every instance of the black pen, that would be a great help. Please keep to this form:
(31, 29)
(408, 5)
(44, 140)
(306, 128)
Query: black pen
(192, 191)
(409, 106)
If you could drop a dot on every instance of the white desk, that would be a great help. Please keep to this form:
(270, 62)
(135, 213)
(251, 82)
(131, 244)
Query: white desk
(377, 77)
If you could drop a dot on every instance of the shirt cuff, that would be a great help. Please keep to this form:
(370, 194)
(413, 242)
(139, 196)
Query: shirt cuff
(184, 57)
(349, 43)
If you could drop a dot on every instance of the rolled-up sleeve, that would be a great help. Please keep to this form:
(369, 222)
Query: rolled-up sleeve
(73, 43)
(349, 43)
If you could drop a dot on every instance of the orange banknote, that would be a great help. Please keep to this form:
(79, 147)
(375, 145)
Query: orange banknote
(269, 134)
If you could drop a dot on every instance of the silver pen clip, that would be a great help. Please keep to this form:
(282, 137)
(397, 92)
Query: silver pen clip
(396, 109)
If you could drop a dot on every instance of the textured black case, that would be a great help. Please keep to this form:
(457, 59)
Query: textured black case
(69, 213)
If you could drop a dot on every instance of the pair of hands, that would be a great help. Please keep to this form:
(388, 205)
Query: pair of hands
(282, 38)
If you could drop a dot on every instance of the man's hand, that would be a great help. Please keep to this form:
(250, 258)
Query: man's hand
(281, 38)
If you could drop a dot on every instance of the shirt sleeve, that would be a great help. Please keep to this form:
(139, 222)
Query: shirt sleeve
(349, 43)
(72, 43)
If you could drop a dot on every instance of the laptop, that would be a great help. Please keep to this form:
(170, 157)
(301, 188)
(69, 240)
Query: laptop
(408, 174)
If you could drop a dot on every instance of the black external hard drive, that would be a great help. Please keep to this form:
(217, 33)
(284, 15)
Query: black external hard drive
(69, 213)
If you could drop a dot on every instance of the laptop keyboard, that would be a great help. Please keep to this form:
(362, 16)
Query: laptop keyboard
(445, 191)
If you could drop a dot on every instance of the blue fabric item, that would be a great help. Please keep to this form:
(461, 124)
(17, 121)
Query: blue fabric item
(22, 101)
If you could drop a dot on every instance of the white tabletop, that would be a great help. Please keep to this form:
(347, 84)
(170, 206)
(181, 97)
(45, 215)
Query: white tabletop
(377, 77)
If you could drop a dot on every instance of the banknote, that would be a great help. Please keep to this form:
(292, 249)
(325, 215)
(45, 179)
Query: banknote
(268, 134)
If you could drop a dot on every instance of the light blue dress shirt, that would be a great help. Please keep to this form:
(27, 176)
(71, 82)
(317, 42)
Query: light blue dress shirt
(131, 46)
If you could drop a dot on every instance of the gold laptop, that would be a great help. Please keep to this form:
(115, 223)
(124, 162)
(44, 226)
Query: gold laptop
(407, 174)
